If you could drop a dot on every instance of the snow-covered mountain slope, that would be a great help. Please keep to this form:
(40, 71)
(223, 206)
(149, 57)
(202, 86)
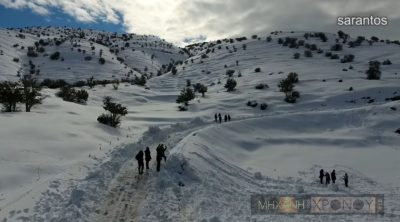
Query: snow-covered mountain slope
(212, 169)
(124, 55)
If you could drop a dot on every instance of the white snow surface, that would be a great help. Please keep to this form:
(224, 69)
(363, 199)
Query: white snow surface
(59, 164)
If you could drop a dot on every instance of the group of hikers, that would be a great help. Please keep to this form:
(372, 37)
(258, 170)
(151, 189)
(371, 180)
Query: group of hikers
(331, 176)
(146, 156)
(218, 118)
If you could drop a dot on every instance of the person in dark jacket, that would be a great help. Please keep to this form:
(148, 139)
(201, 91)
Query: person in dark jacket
(321, 176)
(328, 178)
(346, 180)
(226, 118)
(333, 176)
(229, 118)
(147, 157)
(216, 118)
(160, 155)
(139, 158)
(219, 117)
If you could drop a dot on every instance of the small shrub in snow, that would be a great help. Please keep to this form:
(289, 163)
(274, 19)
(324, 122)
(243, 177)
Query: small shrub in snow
(31, 52)
(102, 61)
(90, 82)
(347, 58)
(313, 47)
(71, 95)
(252, 103)
(322, 36)
(182, 108)
(141, 81)
(334, 56)
(337, 47)
(328, 54)
(296, 55)
(257, 70)
(174, 70)
(289, 98)
(15, 59)
(88, 58)
(54, 84)
(374, 73)
(186, 95)
(116, 111)
(293, 77)
(263, 106)
(79, 83)
(286, 85)
(200, 88)
(258, 175)
(296, 94)
(230, 72)
(387, 62)
(261, 86)
(230, 84)
(308, 53)
(55, 56)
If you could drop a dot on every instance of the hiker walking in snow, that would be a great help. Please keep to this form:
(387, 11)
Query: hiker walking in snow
(160, 155)
(139, 158)
(216, 118)
(219, 117)
(321, 176)
(328, 178)
(229, 118)
(333, 176)
(226, 118)
(147, 157)
(346, 180)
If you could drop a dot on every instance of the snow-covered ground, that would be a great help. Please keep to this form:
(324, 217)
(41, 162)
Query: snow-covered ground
(59, 164)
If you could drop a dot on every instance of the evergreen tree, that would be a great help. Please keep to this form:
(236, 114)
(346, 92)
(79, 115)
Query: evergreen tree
(30, 93)
(202, 89)
(116, 111)
(186, 95)
(230, 84)
(10, 95)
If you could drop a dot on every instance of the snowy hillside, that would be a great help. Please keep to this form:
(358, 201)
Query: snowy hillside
(59, 164)
(80, 50)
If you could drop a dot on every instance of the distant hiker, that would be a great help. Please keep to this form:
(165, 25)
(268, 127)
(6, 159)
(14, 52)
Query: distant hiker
(147, 157)
(139, 158)
(333, 176)
(226, 118)
(328, 178)
(229, 118)
(216, 118)
(321, 176)
(219, 117)
(160, 155)
(237, 62)
(346, 180)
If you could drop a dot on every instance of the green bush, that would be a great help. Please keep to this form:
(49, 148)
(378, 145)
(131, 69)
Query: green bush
(230, 84)
(55, 56)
